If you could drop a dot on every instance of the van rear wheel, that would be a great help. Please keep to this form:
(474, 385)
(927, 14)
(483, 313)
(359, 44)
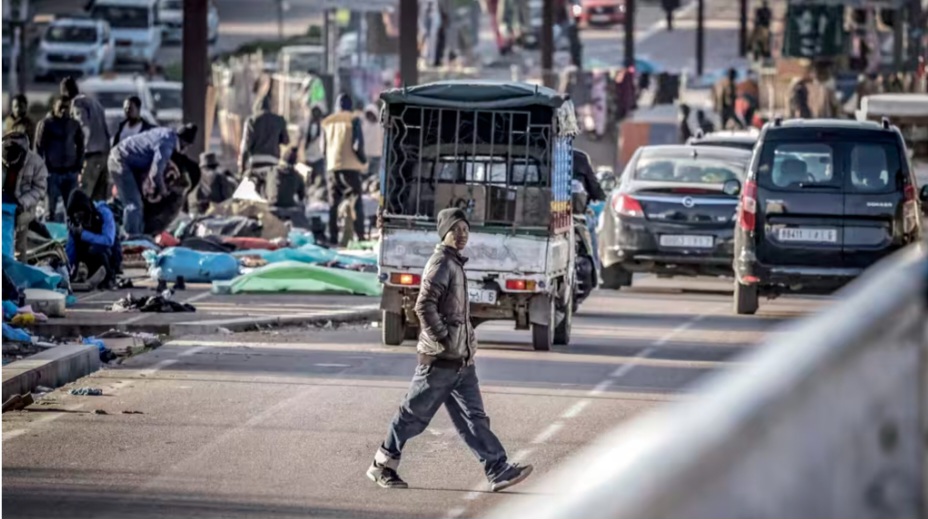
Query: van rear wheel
(394, 328)
(745, 299)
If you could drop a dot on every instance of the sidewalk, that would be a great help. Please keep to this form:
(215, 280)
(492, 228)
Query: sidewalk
(214, 312)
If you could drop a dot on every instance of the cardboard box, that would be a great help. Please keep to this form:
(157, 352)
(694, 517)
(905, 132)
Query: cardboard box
(471, 198)
(533, 206)
(502, 204)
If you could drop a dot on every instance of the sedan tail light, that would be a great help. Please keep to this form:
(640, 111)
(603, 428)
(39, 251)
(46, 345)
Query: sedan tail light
(748, 215)
(625, 205)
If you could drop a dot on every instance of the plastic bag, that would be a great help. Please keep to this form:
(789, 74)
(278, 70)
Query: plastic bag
(27, 276)
(15, 334)
(9, 229)
(193, 266)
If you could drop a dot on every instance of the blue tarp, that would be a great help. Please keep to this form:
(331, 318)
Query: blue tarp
(308, 253)
(15, 334)
(27, 276)
(9, 229)
(194, 266)
(59, 231)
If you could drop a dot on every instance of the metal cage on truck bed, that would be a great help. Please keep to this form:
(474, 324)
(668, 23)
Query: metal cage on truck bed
(500, 151)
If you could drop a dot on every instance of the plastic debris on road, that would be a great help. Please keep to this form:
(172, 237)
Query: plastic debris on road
(93, 341)
(193, 266)
(15, 334)
(292, 276)
(86, 391)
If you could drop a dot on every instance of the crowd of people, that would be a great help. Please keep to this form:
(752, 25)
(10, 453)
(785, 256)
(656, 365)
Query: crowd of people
(68, 168)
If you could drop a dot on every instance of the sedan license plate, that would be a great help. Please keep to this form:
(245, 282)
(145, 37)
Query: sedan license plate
(480, 296)
(688, 241)
(600, 18)
(802, 234)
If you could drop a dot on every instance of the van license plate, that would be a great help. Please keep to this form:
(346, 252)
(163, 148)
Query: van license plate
(800, 234)
(480, 296)
(686, 241)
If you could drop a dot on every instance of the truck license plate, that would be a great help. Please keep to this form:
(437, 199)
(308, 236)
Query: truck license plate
(481, 296)
(686, 241)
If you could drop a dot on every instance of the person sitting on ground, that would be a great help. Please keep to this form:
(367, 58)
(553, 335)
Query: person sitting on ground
(285, 186)
(25, 181)
(93, 240)
(138, 167)
(59, 140)
(19, 120)
(216, 185)
(134, 123)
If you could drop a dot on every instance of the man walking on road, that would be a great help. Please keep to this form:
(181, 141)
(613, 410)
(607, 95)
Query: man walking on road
(89, 113)
(446, 373)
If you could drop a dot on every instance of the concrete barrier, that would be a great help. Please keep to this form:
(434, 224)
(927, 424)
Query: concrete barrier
(51, 368)
(827, 420)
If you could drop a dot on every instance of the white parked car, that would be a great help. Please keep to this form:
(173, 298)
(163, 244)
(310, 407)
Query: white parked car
(75, 47)
(171, 18)
(112, 91)
(167, 102)
(135, 28)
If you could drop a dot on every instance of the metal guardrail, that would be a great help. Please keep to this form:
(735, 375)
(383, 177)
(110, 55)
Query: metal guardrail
(828, 419)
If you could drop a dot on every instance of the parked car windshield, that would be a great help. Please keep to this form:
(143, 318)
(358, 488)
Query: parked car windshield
(167, 98)
(112, 99)
(701, 170)
(66, 34)
(123, 17)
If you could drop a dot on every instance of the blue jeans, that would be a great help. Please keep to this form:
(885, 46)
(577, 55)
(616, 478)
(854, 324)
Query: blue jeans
(129, 192)
(60, 186)
(459, 390)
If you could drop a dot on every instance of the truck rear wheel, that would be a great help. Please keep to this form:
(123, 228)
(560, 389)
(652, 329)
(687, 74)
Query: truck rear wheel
(543, 334)
(394, 328)
(562, 331)
(615, 277)
(745, 299)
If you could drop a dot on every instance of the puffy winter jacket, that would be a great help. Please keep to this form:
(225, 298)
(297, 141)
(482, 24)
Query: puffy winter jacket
(32, 182)
(443, 308)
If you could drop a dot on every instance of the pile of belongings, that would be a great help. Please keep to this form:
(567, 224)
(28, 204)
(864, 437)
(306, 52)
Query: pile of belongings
(160, 303)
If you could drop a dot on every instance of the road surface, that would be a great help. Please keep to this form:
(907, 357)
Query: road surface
(284, 423)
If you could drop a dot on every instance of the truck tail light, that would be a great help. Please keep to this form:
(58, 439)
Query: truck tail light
(748, 217)
(520, 285)
(407, 280)
(625, 205)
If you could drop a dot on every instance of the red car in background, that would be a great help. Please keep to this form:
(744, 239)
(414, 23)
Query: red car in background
(599, 12)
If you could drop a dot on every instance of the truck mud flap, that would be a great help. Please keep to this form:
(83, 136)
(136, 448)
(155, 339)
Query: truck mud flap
(539, 309)
(391, 300)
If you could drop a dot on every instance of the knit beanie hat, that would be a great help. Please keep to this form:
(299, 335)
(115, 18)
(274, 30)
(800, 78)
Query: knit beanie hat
(447, 218)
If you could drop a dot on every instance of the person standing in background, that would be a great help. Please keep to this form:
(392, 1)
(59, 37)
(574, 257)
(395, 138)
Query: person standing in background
(373, 139)
(313, 155)
(345, 160)
(19, 120)
(265, 132)
(133, 124)
(59, 140)
(25, 182)
(95, 179)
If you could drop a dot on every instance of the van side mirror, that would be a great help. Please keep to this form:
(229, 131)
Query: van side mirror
(732, 187)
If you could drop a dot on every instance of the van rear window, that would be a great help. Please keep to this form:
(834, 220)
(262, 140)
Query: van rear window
(841, 166)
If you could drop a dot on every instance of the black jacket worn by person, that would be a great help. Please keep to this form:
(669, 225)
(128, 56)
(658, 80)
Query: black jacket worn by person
(284, 186)
(583, 171)
(60, 143)
(264, 133)
(443, 308)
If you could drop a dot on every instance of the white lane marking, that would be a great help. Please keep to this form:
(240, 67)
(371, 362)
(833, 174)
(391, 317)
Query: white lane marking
(9, 435)
(600, 388)
(159, 366)
(575, 409)
(470, 496)
(521, 455)
(327, 365)
(548, 433)
(51, 416)
(193, 351)
(197, 297)
(454, 513)
(623, 370)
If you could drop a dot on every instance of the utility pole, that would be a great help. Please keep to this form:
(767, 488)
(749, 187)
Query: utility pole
(700, 36)
(196, 71)
(547, 44)
(629, 33)
(280, 19)
(409, 41)
(743, 30)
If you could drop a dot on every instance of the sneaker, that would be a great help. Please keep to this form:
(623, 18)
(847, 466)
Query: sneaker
(385, 476)
(513, 475)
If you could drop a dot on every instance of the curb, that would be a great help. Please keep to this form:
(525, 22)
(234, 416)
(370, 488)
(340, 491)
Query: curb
(244, 324)
(53, 368)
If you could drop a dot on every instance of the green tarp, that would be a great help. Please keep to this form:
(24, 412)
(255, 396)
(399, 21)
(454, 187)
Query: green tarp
(293, 276)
